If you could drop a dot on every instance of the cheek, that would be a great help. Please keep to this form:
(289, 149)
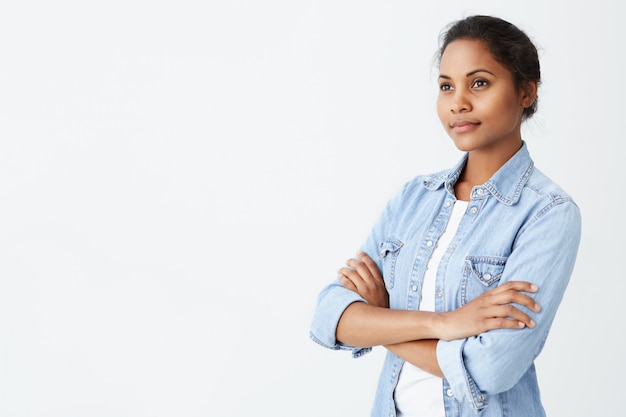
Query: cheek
(510, 114)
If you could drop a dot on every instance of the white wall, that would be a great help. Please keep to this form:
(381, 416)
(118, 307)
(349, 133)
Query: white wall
(178, 180)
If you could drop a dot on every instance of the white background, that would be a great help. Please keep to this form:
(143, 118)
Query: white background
(178, 180)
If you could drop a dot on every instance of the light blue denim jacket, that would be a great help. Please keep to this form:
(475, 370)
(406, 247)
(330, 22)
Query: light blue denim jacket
(519, 226)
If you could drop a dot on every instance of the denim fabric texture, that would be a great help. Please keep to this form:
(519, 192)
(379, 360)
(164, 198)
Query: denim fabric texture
(519, 226)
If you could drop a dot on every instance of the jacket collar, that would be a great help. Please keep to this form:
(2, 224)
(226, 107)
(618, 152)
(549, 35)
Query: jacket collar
(506, 184)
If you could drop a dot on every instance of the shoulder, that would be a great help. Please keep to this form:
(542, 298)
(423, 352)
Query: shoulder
(547, 198)
(541, 187)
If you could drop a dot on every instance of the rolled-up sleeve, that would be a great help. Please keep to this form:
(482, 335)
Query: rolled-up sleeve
(544, 253)
(331, 303)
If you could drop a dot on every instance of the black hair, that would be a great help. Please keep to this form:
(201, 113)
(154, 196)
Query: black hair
(509, 45)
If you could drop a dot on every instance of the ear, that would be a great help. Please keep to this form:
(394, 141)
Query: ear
(528, 93)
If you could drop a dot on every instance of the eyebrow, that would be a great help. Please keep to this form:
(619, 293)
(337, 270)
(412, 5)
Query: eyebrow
(469, 74)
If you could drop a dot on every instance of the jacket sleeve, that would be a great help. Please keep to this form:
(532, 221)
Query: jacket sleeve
(493, 362)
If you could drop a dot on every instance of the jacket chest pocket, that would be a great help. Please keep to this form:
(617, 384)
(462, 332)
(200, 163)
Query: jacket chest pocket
(388, 254)
(480, 274)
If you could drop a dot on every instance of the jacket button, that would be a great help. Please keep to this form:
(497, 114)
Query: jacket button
(449, 392)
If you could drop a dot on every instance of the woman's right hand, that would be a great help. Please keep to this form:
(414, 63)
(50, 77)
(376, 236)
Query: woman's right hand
(363, 277)
(491, 310)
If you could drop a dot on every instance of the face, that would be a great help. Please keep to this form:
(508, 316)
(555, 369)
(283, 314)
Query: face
(479, 106)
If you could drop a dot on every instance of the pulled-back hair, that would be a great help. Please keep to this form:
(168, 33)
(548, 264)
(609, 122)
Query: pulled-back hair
(507, 43)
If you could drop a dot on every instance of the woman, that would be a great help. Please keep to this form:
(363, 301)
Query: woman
(462, 276)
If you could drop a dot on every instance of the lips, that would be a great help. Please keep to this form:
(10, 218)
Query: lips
(461, 126)
(462, 123)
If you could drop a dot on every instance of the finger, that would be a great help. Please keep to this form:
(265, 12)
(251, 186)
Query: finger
(513, 296)
(519, 315)
(371, 265)
(504, 323)
(347, 283)
(361, 268)
(526, 301)
(517, 286)
(354, 277)
(512, 314)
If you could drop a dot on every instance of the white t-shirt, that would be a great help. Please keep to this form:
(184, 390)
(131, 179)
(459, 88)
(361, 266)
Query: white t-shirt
(419, 393)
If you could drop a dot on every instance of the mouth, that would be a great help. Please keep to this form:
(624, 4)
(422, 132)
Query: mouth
(461, 126)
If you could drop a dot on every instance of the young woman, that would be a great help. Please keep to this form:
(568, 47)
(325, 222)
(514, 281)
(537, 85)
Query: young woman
(462, 276)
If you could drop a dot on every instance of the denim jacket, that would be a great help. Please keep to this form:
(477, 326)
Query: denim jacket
(519, 225)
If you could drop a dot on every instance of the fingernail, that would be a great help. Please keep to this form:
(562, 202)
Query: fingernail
(534, 287)
(532, 323)
(537, 307)
(520, 324)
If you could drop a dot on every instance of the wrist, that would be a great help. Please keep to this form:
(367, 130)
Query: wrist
(429, 324)
(439, 323)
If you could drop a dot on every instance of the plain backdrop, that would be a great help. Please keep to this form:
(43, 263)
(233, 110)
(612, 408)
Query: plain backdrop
(179, 179)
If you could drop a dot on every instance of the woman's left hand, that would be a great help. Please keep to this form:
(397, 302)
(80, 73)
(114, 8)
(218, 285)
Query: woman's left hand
(363, 277)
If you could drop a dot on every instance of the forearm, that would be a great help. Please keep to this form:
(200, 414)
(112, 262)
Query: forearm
(421, 353)
(364, 325)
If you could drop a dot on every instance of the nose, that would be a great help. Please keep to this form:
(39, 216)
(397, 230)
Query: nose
(460, 103)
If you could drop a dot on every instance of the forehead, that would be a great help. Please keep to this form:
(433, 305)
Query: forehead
(465, 55)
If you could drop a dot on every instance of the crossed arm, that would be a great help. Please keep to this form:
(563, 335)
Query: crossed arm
(413, 335)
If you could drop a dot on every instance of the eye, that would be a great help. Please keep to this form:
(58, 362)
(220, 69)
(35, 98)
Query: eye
(480, 83)
(445, 87)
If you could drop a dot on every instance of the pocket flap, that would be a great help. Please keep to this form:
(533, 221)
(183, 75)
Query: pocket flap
(487, 269)
(390, 245)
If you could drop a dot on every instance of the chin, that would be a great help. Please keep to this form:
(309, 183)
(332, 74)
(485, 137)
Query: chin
(463, 145)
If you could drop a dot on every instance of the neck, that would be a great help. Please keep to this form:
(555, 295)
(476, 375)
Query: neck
(480, 166)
